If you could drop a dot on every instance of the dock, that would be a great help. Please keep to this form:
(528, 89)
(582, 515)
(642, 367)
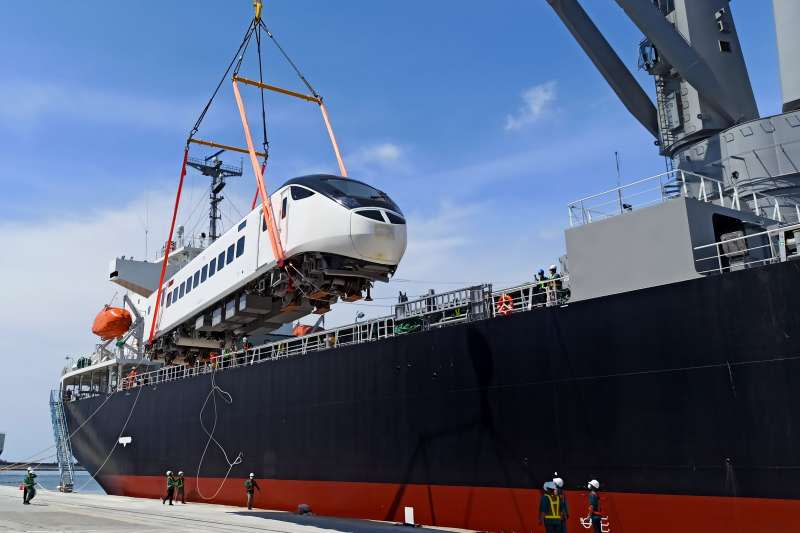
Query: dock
(55, 511)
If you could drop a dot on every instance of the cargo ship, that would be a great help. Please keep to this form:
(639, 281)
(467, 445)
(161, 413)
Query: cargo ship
(661, 362)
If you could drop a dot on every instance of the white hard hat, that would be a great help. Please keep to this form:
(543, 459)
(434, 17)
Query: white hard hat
(552, 267)
(549, 485)
(180, 472)
(169, 472)
(594, 484)
(558, 482)
(252, 474)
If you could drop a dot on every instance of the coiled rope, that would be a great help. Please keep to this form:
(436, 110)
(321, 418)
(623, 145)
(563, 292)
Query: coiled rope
(227, 398)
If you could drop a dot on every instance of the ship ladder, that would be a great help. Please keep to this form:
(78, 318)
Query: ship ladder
(62, 442)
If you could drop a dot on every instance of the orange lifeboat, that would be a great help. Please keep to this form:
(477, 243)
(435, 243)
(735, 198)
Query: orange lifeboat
(111, 322)
(302, 329)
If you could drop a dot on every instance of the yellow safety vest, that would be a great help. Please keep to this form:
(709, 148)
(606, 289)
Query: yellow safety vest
(555, 507)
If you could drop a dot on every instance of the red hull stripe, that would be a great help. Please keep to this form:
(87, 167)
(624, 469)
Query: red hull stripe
(487, 508)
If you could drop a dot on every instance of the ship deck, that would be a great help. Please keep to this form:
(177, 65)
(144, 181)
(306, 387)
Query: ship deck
(55, 511)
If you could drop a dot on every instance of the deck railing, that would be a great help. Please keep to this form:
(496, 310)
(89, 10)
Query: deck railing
(676, 183)
(428, 312)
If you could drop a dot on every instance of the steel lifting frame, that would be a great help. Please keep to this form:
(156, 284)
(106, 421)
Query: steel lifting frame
(258, 170)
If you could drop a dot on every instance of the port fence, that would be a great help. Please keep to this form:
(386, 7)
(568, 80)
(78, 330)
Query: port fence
(431, 311)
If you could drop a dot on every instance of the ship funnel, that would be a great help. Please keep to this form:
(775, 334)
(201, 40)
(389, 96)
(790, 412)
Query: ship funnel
(787, 15)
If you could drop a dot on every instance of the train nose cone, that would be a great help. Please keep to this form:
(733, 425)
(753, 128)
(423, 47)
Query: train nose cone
(377, 241)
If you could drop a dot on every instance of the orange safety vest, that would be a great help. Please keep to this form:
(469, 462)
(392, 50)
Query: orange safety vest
(505, 304)
(555, 507)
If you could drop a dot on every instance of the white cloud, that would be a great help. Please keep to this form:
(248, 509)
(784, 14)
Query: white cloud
(382, 154)
(537, 102)
(24, 103)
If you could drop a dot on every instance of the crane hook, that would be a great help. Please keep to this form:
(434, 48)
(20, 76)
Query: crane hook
(257, 6)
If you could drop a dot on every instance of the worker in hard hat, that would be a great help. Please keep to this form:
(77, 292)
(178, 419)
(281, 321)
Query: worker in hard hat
(553, 286)
(594, 506)
(28, 486)
(540, 288)
(170, 488)
(559, 483)
(550, 509)
(179, 482)
(250, 485)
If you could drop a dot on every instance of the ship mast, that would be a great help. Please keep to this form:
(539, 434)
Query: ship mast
(213, 167)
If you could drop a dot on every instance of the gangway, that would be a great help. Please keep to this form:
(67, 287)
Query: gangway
(63, 446)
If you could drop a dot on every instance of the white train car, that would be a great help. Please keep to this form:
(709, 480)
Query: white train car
(339, 236)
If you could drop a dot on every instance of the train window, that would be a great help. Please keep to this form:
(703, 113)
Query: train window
(394, 219)
(196, 279)
(175, 295)
(188, 284)
(203, 273)
(221, 261)
(163, 297)
(298, 193)
(230, 254)
(284, 205)
(212, 267)
(169, 298)
(240, 246)
(242, 225)
(371, 213)
(181, 289)
(263, 224)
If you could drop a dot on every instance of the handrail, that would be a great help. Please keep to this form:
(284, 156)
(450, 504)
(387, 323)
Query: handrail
(768, 235)
(680, 183)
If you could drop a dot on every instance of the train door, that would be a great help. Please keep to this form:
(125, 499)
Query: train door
(283, 217)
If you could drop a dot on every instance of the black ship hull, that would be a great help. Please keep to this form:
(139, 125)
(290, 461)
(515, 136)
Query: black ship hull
(680, 399)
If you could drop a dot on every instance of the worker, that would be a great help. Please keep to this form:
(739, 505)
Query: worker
(132, 375)
(250, 484)
(28, 486)
(553, 286)
(540, 288)
(179, 482)
(550, 509)
(170, 488)
(559, 483)
(594, 506)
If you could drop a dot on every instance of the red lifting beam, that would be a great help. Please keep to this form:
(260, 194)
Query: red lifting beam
(168, 246)
(266, 203)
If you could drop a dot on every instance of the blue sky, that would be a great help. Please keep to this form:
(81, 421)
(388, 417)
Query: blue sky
(481, 119)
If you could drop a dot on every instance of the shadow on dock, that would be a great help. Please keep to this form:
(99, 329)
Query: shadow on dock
(345, 525)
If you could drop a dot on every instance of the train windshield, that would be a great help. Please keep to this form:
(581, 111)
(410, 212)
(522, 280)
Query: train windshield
(354, 189)
(348, 192)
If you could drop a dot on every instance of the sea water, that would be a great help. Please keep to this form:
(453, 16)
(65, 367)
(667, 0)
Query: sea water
(49, 480)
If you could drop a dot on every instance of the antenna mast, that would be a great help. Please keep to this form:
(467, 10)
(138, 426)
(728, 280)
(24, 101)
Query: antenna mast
(213, 167)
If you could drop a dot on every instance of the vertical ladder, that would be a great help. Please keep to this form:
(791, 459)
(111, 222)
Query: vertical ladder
(63, 446)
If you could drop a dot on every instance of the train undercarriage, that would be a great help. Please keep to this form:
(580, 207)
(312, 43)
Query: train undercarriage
(308, 283)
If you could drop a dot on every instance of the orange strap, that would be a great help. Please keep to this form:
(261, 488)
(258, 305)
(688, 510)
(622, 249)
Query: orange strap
(333, 139)
(168, 246)
(255, 196)
(266, 203)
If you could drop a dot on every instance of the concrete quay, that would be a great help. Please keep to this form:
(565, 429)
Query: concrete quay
(56, 512)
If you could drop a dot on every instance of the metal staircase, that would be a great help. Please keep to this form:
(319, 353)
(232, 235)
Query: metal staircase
(63, 446)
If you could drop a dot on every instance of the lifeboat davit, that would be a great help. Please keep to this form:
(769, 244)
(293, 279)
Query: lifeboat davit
(111, 322)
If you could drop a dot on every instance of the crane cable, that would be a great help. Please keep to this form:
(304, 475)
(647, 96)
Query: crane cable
(237, 60)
